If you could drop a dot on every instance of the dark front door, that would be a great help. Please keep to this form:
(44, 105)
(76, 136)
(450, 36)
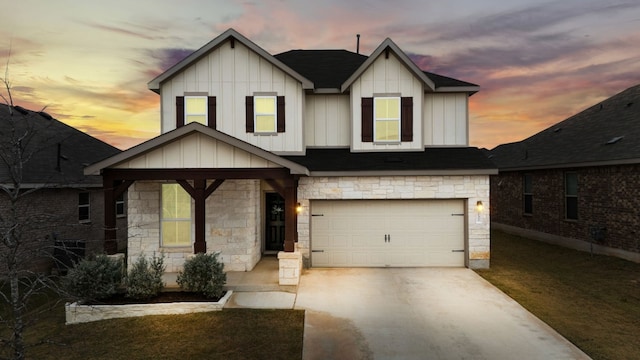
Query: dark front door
(274, 234)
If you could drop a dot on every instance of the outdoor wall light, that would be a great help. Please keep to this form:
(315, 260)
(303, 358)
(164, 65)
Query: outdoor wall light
(479, 206)
(298, 208)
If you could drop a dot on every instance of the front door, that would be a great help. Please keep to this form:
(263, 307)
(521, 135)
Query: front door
(274, 233)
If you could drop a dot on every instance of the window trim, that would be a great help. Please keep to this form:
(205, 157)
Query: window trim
(181, 109)
(86, 205)
(568, 196)
(250, 125)
(398, 120)
(367, 119)
(174, 220)
(274, 98)
(527, 194)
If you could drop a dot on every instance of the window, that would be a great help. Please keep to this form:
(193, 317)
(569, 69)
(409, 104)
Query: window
(265, 114)
(387, 119)
(196, 108)
(84, 207)
(120, 205)
(528, 193)
(571, 195)
(176, 216)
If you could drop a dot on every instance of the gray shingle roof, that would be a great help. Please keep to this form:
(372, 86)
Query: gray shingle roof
(605, 133)
(431, 159)
(58, 152)
(331, 68)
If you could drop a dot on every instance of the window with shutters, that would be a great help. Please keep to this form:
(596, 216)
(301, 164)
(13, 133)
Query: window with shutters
(387, 119)
(176, 216)
(265, 114)
(196, 108)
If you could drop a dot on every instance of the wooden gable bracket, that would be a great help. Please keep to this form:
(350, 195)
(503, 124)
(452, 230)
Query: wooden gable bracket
(199, 193)
(386, 52)
(232, 41)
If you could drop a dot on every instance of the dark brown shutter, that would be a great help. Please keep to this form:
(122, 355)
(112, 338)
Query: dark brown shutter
(280, 111)
(179, 111)
(211, 111)
(367, 119)
(406, 119)
(249, 111)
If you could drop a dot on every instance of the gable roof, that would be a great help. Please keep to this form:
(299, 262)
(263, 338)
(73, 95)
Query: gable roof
(431, 161)
(154, 84)
(187, 130)
(607, 133)
(59, 151)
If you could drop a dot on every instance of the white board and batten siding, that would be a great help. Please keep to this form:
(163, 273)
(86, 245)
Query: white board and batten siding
(231, 74)
(197, 151)
(446, 119)
(386, 76)
(327, 121)
(387, 233)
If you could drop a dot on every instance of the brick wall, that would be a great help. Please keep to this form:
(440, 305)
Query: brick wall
(49, 214)
(608, 197)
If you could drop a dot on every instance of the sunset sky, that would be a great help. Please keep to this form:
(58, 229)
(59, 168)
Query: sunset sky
(536, 62)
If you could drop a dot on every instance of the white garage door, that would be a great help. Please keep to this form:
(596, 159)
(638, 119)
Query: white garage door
(380, 233)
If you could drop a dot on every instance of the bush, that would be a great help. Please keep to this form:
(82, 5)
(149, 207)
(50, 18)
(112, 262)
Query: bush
(93, 279)
(144, 280)
(203, 274)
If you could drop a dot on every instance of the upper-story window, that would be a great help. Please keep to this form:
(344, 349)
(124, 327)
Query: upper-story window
(387, 119)
(196, 108)
(265, 114)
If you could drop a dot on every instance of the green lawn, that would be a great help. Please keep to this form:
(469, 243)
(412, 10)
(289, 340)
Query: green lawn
(594, 301)
(227, 334)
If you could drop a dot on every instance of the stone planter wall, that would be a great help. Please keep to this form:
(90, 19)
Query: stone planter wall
(76, 313)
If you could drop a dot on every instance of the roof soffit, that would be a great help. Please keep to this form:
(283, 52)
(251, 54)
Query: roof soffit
(154, 84)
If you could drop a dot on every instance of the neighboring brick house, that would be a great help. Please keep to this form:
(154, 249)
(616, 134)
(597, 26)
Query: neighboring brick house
(576, 183)
(326, 157)
(58, 201)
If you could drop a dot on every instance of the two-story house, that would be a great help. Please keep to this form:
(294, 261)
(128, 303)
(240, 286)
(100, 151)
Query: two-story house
(326, 157)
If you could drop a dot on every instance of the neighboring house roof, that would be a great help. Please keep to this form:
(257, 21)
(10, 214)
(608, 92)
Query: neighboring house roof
(187, 130)
(154, 84)
(431, 161)
(332, 70)
(607, 133)
(57, 153)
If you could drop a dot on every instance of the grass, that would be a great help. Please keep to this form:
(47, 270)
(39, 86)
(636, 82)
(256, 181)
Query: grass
(227, 334)
(593, 301)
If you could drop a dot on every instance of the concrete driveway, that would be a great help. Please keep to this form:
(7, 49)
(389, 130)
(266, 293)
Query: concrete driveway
(426, 313)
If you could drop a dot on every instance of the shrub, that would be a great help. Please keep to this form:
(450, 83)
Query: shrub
(93, 279)
(144, 280)
(204, 274)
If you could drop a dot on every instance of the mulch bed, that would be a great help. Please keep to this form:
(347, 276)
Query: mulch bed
(163, 297)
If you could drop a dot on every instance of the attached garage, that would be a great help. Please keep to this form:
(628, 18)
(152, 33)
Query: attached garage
(387, 233)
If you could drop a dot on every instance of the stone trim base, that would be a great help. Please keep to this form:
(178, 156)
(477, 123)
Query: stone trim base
(290, 267)
(76, 314)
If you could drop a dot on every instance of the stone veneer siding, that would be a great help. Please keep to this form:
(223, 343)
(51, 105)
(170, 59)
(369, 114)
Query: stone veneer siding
(472, 188)
(608, 197)
(232, 225)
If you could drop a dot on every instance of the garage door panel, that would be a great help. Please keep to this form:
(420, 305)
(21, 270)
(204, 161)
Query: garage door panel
(382, 233)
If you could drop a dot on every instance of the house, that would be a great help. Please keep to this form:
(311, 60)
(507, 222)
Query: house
(327, 158)
(576, 183)
(58, 202)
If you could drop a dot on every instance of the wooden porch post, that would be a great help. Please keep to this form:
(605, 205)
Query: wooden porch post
(290, 216)
(110, 236)
(200, 245)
